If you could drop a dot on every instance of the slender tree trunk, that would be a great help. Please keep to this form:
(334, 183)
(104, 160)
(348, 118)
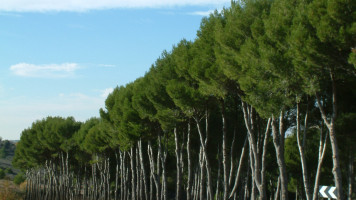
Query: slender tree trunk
(350, 174)
(116, 176)
(278, 141)
(246, 191)
(217, 195)
(239, 169)
(202, 175)
(277, 193)
(302, 156)
(143, 170)
(133, 177)
(189, 164)
(203, 144)
(232, 159)
(154, 176)
(263, 194)
(224, 151)
(332, 132)
(178, 165)
(138, 175)
(163, 162)
(322, 148)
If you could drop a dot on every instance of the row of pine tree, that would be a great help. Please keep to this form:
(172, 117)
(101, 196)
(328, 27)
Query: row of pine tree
(261, 105)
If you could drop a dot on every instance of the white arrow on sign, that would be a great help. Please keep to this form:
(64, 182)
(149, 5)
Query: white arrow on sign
(331, 192)
(322, 191)
(328, 192)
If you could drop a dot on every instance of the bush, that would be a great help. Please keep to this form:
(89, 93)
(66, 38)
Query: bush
(2, 173)
(19, 178)
(8, 171)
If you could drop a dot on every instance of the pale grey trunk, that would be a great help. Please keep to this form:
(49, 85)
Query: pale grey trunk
(278, 141)
(217, 195)
(332, 132)
(350, 174)
(116, 176)
(322, 149)
(154, 175)
(133, 177)
(277, 192)
(257, 150)
(224, 151)
(138, 175)
(202, 175)
(203, 145)
(302, 156)
(163, 163)
(263, 195)
(143, 170)
(189, 165)
(178, 165)
(231, 159)
(239, 169)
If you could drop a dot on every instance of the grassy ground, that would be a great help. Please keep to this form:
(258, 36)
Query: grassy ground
(10, 191)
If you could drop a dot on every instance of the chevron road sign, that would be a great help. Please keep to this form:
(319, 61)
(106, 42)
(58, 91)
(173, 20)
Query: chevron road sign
(328, 192)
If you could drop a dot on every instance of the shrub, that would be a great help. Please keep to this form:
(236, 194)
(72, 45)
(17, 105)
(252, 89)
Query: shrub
(2, 173)
(19, 178)
(8, 171)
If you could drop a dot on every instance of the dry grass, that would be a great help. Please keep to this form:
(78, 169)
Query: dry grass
(10, 191)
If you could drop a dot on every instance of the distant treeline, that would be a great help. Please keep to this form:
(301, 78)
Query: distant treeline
(260, 105)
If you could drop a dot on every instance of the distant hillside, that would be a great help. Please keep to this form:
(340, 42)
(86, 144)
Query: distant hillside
(7, 152)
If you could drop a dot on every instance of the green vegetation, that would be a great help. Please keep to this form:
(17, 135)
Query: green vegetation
(2, 173)
(19, 178)
(260, 105)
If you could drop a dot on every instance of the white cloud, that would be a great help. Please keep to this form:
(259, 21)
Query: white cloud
(85, 5)
(45, 71)
(105, 93)
(202, 13)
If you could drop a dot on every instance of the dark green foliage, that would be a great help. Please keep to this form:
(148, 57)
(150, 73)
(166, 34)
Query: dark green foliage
(2, 173)
(19, 178)
(2, 152)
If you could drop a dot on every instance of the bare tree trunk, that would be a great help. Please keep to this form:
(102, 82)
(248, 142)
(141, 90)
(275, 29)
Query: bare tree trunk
(133, 177)
(278, 141)
(154, 175)
(332, 132)
(276, 194)
(138, 176)
(116, 176)
(238, 174)
(246, 191)
(232, 159)
(350, 174)
(164, 179)
(322, 149)
(189, 165)
(202, 175)
(203, 144)
(143, 170)
(302, 156)
(217, 195)
(178, 165)
(263, 194)
(224, 127)
(256, 148)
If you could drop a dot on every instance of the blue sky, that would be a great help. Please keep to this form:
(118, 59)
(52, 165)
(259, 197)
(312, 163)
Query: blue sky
(63, 57)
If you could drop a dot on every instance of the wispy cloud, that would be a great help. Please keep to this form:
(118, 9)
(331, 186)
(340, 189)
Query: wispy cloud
(45, 71)
(202, 13)
(85, 5)
(106, 92)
